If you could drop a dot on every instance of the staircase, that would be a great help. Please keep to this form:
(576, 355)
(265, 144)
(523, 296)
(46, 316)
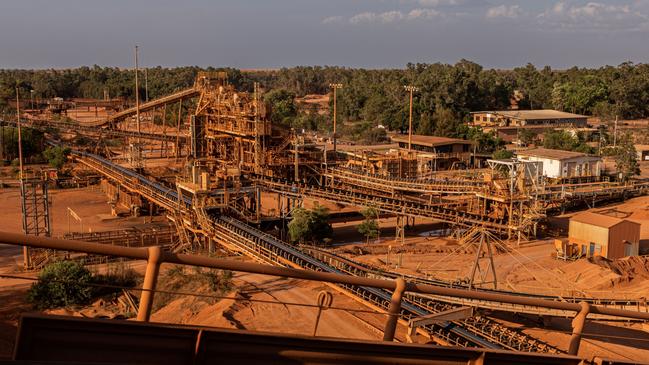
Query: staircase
(184, 242)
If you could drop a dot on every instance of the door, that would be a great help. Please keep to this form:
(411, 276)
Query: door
(591, 249)
(627, 249)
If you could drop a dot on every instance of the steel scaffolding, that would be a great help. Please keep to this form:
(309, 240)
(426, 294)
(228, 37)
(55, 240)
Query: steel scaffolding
(36, 217)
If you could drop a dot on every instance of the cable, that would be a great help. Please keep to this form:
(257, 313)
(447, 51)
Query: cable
(454, 252)
(549, 271)
(505, 248)
(198, 295)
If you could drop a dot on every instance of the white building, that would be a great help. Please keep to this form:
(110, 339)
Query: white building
(558, 164)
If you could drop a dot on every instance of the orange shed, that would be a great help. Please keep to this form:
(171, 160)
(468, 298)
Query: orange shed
(594, 234)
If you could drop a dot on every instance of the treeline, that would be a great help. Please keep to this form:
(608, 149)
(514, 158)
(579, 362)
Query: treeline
(447, 93)
(91, 82)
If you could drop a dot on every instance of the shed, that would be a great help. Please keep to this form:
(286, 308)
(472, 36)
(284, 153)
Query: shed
(559, 164)
(593, 234)
(434, 144)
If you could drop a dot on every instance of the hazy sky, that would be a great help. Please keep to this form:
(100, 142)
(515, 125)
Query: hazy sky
(357, 33)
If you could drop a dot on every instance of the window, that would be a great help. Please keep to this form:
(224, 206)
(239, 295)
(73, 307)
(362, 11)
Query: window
(598, 249)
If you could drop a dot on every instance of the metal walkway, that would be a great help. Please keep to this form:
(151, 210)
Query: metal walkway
(183, 94)
(391, 184)
(404, 207)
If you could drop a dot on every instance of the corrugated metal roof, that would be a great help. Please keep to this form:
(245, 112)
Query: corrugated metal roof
(550, 153)
(430, 140)
(534, 114)
(599, 220)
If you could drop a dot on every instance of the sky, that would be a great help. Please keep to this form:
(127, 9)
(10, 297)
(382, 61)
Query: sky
(263, 34)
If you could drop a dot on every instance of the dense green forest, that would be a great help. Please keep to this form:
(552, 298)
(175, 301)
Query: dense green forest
(447, 93)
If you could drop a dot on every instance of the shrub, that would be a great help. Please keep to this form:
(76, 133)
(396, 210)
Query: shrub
(117, 275)
(60, 284)
(56, 156)
(310, 225)
(502, 155)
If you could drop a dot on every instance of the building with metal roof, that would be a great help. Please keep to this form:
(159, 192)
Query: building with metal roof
(559, 164)
(436, 153)
(594, 234)
(508, 123)
(506, 118)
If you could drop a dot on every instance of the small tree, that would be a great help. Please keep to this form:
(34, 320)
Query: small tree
(625, 158)
(527, 136)
(559, 140)
(282, 106)
(56, 156)
(61, 284)
(369, 227)
(502, 155)
(310, 225)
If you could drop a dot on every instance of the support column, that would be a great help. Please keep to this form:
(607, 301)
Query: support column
(577, 328)
(400, 236)
(150, 282)
(394, 310)
(210, 245)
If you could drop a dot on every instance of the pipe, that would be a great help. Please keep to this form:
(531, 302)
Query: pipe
(578, 327)
(72, 245)
(204, 261)
(394, 310)
(156, 257)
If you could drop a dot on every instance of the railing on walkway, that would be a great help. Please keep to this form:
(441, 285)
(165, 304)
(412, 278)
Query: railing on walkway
(155, 256)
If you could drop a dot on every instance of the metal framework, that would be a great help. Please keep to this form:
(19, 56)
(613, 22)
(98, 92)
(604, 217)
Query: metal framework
(235, 153)
(34, 202)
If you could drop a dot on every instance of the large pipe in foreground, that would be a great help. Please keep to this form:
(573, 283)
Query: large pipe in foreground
(204, 261)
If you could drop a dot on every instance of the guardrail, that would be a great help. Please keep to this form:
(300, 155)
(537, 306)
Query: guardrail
(155, 256)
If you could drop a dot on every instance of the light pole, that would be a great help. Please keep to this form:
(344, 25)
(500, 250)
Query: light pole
(20, 138)
(137, 95)
(335, 87)
(411, 89)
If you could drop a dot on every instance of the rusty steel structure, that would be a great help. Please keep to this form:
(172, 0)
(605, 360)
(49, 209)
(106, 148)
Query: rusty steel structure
(231, 143)
(234, 154)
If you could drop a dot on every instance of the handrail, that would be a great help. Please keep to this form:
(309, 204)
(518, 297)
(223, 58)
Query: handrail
(204, 261)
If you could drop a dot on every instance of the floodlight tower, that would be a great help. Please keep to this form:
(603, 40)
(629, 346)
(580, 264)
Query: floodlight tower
(335, 87)
(411, 89)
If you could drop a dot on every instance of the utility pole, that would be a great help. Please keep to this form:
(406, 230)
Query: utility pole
(20, 139)
(615, 133)
(146, 85)
(411, 89)
(2, 144)
(137, 94)
(26, 254)
(335, 87)
(296, 176)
